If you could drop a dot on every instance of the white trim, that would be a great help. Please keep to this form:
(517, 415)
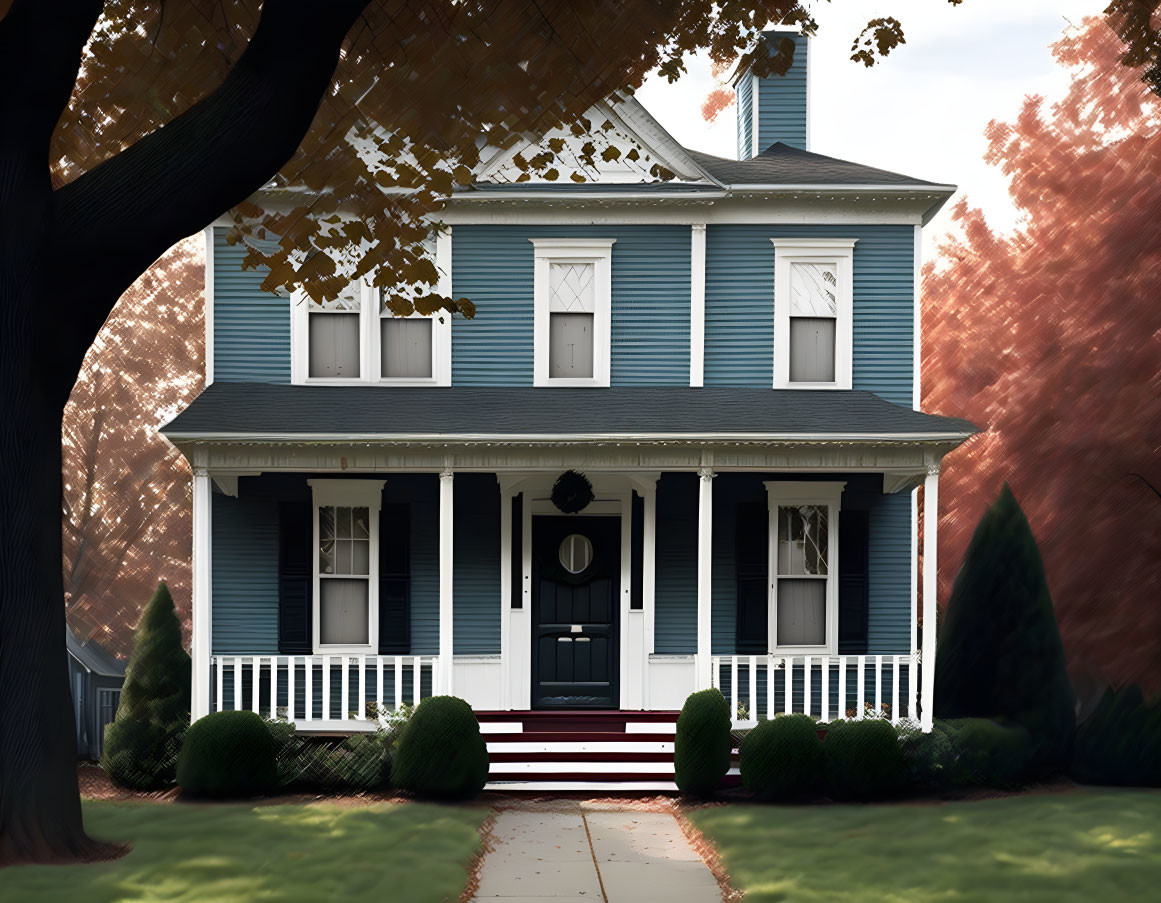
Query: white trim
(930, 589)
(201, 614)
(782, 492)
(914, 583)
(354, 494)
(840, 252)
(697, 305)
(755, 120)
(648, 582)
(208, 306)
(506, 497)
(809, 93)
(917, 325)
(705, 532)
(599, 252)
(300, 311)
(446, 576)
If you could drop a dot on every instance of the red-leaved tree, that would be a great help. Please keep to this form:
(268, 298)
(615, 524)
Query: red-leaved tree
(1051, 337)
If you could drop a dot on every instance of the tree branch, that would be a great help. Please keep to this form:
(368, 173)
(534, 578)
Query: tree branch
(40, 55)
(116, 219)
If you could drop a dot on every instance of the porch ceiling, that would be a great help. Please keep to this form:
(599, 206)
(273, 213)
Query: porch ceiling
(230, 412)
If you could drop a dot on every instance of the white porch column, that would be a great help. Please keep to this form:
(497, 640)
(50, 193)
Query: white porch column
(705, 525)
(446, 524)
(201, 613)
(930, 523)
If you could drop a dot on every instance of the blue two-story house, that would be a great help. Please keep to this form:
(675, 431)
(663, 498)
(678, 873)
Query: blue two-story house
(723, 365)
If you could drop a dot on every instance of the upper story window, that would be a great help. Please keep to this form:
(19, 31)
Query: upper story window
(355, 339)
(813, 310)
(572, 311)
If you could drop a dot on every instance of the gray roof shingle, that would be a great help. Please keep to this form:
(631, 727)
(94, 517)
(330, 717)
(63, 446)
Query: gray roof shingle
(781, 164)
(267, 411)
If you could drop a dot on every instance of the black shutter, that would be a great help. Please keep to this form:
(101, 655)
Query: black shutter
(752, 525)
(295, 577)
(854, 581)
(395, 579)
(637, 555)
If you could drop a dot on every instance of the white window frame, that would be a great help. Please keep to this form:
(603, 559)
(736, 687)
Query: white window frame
(301, 306)
(353, 494)
(840, 253)
(800, 492)
(441, 331)
(598, 252)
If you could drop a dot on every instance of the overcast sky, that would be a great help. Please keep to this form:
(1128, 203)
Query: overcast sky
(923, 110)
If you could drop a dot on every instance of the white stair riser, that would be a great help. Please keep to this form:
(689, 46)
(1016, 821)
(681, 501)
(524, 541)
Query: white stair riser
(569, 767)
(594, 746)
(582, 786)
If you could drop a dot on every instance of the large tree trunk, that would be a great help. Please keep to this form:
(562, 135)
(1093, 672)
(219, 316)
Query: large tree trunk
(65, 257)
(40, 813)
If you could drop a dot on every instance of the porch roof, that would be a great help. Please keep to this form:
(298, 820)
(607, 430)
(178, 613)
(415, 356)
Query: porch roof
(232, 411)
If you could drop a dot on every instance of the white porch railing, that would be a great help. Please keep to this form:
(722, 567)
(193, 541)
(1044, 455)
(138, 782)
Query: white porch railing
(826, 686)
(322, 691)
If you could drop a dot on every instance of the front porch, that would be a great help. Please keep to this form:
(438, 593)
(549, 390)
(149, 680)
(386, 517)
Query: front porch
(463, 605)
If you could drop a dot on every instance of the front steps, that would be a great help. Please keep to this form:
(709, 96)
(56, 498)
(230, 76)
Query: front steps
(598, 751)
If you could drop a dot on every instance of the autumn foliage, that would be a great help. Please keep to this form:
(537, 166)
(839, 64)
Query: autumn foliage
(1051, 337)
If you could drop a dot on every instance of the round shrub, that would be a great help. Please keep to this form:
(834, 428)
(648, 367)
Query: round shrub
(442, 754)
(701, 750)
(782, 759)
(1120, 742)
(990, 754)
(862, 760)
(227, 755)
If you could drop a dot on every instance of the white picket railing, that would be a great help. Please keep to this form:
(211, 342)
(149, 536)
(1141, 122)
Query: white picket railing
(283, 687)
(826, 686)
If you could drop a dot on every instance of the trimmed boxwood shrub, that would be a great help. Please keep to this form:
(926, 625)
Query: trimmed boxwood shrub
(1120, 743)
(701, 750)
(999, 653)
(442, 754)
(142, 744)
(990, 754)
(782, 759)
(862, 760)
(227, 755)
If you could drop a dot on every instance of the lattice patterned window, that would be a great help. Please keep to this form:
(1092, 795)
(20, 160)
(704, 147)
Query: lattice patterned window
(813, 312)
(803, 589)
(572, 311)
(344, 570)
(813, 318)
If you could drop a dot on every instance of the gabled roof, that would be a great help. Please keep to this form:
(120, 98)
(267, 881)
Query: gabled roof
(271, 413)
(781, 164)
(93, 657)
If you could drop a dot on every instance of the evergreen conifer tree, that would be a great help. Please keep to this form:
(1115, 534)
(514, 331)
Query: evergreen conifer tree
(999, 654)
(142, 744)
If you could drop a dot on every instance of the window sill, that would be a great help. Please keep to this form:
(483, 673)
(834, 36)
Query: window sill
(563, 383)
(345, 650)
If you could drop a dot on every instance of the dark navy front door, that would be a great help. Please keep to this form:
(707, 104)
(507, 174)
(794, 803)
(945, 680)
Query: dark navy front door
(576, 572)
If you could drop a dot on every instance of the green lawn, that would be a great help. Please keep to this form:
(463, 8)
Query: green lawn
(1088, 845)
(226, 853)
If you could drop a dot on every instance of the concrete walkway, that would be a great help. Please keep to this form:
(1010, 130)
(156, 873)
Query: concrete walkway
(571, 851)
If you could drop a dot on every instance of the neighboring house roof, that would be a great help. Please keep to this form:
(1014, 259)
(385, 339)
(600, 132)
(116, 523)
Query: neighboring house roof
(93, 657)
(267, 412)
(781, 164)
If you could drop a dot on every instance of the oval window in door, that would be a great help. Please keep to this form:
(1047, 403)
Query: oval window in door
(576, 553)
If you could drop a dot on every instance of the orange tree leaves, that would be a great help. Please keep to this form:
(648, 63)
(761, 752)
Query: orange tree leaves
(1051, 336)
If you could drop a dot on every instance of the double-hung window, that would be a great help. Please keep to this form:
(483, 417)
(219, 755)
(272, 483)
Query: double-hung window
(803, 565)
(346, 565)
(813, 309)
(356, 339)
(572, 311)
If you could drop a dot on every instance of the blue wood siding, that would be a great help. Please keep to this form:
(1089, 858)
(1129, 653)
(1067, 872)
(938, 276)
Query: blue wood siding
(251, 327)
(744, 97)
(675, 606)
(421, 490)
(245, 559)
(889, 606)
(476, 554)
(492, 265)
(244, 578)
(739, 333)
(782, 99)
